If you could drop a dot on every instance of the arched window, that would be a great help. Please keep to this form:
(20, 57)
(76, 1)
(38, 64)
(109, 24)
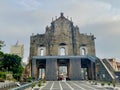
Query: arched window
(41, 52)
(62, 51)
(83, 51)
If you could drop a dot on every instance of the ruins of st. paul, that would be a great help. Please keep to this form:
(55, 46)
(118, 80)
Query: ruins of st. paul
(62, 50)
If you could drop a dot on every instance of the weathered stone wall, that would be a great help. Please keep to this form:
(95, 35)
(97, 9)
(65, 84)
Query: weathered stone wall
(61, 33)
(62, 30)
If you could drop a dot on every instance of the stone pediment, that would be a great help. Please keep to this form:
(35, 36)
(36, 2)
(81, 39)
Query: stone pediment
(62, 18)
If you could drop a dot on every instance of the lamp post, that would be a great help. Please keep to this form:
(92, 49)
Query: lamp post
(116, 77)
(103, 75)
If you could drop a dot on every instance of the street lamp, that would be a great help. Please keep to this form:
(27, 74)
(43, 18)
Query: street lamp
(103, 75)
(116, 77)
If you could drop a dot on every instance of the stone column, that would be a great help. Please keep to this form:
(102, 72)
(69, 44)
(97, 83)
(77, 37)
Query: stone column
(96, 72)
(51, 69)
(37, 71)
(34, 69)
(68, 70)
(75, 69)
(92, 70)
(89, 70)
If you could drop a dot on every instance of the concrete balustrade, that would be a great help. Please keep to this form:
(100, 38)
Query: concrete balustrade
(6, 84)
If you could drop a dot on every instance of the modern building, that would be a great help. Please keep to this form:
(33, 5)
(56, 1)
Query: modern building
(115, 64)
(17, 49)
(62, 50)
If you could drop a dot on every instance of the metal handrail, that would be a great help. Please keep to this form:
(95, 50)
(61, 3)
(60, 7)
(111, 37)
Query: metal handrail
(22, 87)
(111, 69)
(108, 69)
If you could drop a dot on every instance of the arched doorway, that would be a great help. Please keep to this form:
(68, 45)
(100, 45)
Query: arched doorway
(41, 69)
(87, 69)
(63, 69)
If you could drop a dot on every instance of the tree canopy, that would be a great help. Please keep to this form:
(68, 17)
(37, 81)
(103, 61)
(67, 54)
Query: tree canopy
(1, 44)
(11, 63)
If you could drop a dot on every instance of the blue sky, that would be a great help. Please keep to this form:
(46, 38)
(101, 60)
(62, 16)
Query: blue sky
(20, 18)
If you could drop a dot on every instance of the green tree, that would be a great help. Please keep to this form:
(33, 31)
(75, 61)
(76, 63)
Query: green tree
(12, 63)
(1, 54)
(1, 60)
(1, 44)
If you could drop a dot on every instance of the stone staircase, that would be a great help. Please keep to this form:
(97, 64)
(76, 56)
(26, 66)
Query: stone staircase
(109, 67)
(105, 71)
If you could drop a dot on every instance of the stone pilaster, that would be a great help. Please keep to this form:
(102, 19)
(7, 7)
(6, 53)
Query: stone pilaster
(92, 70)
(34, 69)
(51, 69)
(75, 72)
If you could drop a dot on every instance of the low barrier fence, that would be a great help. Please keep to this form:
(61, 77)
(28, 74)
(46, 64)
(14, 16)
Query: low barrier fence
(7, 85)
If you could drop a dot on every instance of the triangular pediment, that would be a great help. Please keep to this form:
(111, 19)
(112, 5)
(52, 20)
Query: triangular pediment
(62, 18)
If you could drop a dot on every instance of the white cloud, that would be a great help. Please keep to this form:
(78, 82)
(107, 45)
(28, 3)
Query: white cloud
(116, 18)
(29, 4)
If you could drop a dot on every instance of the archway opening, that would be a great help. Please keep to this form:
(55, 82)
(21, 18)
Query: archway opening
(62, 51)
(83, 51)
(41, 52)
(41, 69)
(87, 69)
(63, 70)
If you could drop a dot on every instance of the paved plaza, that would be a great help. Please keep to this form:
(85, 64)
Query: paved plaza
(72, 85)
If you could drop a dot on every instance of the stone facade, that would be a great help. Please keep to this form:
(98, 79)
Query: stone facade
(62, 34)
(61, 39)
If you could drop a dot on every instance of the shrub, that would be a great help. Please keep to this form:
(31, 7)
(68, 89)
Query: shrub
(109, 83)
(1, 80)
(33, 85)
(9, 76)
(44, 81)
(40, 81)
(39, 84)
(102, 83)
(29, 79)
(3, 75)
(113, 83)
